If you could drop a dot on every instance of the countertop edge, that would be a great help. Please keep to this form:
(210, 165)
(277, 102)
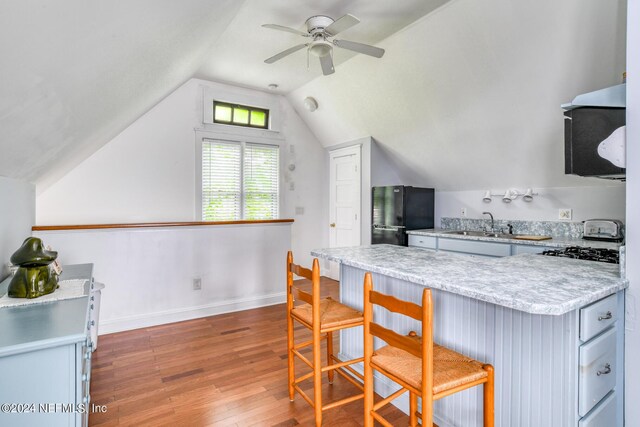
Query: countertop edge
(523, 306)
(558, 242)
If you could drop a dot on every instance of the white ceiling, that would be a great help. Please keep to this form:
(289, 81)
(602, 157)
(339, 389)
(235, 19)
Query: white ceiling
(239, 54)
(77, 72)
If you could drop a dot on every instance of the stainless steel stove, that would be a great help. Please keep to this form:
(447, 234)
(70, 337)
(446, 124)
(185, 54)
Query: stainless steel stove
(611, 256)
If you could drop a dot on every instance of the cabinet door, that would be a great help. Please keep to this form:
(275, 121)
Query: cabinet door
(474, 247)
(603, 415)
(598, 369)
(529, 249)
(45, 378)
(422, 241)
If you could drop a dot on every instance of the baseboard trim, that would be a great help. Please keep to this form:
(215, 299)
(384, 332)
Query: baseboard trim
(138, 321)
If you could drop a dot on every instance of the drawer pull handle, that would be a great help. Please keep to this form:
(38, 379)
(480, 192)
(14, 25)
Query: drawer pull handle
(607, 316)
(607, 370)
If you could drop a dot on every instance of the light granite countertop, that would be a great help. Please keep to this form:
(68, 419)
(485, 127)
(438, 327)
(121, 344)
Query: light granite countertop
(531, 283)
(559, 242)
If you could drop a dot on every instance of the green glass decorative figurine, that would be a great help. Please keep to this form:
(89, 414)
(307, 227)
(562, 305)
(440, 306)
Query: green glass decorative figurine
(34, 277)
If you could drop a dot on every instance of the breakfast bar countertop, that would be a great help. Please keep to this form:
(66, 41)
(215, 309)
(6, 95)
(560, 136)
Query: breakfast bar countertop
(555, 241)
(529, 282)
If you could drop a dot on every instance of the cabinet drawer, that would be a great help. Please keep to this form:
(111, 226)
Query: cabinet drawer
(422, 241)
(603, 415)
(529, 249)
(598, 369)
(475, 247)
(598, 316)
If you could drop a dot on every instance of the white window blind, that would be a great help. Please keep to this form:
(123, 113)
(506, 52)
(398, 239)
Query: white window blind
(221, 181)
(260, 183)
(239, 181)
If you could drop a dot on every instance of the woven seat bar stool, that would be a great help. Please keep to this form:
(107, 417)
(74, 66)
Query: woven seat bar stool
(322, 317)
(424, 369)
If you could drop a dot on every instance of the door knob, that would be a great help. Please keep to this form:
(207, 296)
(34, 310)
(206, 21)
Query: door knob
(332, 225)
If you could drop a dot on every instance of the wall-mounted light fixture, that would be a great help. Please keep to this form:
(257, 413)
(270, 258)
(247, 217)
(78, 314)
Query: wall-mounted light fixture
(509, 195)
(310, 104)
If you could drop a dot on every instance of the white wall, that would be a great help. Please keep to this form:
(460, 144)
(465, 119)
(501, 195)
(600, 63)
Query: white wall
(149, 273)
(468, 97)
(632, 337)
(17, 216)
(148, 172)
(585, 202)
(78, 73)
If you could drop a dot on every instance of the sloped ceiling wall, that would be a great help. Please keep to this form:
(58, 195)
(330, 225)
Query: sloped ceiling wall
(469, 96)
(75, 73)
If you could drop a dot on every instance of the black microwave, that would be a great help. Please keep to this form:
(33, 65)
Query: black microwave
(584, 129)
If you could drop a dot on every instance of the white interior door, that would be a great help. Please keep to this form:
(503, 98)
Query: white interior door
(344, 200)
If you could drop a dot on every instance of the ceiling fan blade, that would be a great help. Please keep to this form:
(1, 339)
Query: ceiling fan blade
(284, 53)
(360, 48)
(327, 65)
(287, 29)
(341, 24)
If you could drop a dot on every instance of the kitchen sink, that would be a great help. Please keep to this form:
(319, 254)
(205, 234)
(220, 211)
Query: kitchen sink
(481, 234)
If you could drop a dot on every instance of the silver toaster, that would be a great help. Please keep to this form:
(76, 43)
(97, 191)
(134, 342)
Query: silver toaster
(603, 229)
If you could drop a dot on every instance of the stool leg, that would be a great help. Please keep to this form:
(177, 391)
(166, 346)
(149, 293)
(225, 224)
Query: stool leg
(427, 411)
(368, 392)
(413, 408)
(329, 354)
(317, 377)
(488, 397)
(290, 356)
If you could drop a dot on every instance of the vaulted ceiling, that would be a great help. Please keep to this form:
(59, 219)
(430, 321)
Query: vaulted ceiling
(75, 73)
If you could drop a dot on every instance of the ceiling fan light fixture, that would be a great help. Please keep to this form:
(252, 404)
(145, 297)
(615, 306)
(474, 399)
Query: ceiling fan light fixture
(320, 48)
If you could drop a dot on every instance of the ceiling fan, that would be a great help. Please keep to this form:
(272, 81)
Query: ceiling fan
(321, 29)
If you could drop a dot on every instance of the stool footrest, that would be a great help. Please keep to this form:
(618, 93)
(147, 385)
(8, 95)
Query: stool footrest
(381, 420)
(388, 399)
(304, 395)
(343, 401)
(304, 359)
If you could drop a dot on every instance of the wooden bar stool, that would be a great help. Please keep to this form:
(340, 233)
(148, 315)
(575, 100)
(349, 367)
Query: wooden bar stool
(425, 369)
(322, 317)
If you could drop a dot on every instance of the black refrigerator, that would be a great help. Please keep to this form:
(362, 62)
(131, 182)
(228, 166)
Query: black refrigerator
(397, 209)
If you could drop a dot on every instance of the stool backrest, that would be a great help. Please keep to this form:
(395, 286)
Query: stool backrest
(294, 293)
(409, 343)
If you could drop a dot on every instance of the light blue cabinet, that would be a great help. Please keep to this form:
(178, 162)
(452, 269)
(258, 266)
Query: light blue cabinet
(45, 359)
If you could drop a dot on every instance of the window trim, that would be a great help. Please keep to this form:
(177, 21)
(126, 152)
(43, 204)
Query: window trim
(205, 134)
(234, 95)
(246, 107)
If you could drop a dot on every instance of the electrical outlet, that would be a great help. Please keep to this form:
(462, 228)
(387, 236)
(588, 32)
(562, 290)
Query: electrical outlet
(299, 210)
(564, 213)
(197, 284)
(292, 186)
(463, 212)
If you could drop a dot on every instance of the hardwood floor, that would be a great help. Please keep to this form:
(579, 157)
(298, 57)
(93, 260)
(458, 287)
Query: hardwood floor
(226, 370)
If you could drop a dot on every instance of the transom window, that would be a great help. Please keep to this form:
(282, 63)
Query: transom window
(240, 115)
(239, 180)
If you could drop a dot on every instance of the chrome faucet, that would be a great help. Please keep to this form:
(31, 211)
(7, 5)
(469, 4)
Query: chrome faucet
(490, 215)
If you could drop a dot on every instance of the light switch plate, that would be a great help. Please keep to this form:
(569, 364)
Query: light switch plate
(564, 213)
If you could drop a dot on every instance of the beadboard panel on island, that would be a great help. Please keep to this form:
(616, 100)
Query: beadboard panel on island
(149, 272)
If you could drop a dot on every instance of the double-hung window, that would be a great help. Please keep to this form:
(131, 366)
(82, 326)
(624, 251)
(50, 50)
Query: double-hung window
(239, 180)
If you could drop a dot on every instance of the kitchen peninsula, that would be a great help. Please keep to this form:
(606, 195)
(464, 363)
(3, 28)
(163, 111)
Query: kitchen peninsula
(553, 328)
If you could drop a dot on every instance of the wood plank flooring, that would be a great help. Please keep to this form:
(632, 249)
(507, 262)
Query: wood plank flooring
(226, 370)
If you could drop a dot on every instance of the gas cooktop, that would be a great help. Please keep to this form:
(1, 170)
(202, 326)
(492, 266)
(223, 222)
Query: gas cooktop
(591, 254)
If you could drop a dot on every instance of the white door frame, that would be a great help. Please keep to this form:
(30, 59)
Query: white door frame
(353, 150)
